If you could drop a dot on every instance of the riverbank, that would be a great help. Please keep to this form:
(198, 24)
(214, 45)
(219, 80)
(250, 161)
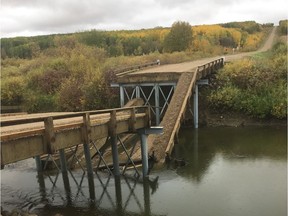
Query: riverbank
(212, 118)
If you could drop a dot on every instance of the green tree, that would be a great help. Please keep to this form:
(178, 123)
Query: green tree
(179, 38)
(283, 24)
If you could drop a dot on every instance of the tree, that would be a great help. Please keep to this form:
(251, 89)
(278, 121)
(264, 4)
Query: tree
(283, 24)
(179, 38)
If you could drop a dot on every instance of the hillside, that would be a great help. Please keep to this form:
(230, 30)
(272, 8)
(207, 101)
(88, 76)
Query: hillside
(73, 72)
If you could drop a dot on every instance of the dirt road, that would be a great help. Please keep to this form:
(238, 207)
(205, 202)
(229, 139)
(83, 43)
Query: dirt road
(190, 66)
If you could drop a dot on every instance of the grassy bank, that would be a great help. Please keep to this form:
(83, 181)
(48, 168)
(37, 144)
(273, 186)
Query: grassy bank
(255, 86)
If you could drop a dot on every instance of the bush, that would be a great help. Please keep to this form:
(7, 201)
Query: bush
(12, 91)
(70, 96)
(256, 86)
(225, 97)
(36, 102)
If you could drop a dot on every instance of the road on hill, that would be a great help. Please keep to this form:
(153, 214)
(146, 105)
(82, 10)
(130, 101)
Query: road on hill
(190, 66)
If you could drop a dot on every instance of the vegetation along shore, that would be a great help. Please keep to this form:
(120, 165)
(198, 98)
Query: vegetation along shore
(73, 72)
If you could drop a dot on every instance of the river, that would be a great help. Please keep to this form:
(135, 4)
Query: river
(227, 172)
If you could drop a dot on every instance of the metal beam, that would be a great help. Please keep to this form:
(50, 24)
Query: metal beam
(116, 169)
(122, 99)
(150, 84)
(38, 163)
(157, 104)
(144, 150)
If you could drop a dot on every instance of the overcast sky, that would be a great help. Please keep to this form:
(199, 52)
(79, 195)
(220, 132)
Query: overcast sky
(38, 17)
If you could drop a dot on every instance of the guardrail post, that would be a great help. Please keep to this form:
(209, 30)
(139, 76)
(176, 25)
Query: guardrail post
(113, 135)
(49, 134)
(86, 130)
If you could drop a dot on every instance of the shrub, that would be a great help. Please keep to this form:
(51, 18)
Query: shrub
(38, 102)
(70, 95)
(12, 91)
(256, 86)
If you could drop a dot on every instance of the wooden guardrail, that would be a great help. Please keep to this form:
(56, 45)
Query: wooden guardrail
(33, 136)
(204, 70)
(134, 68)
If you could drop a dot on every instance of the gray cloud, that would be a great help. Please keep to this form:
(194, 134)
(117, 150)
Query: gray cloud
(32, 17)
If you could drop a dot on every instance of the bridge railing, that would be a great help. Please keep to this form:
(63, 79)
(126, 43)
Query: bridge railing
(25, 138)
(131, 69)
(29, 120)
(210, 67)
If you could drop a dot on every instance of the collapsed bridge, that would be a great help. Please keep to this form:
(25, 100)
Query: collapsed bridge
(167, 90)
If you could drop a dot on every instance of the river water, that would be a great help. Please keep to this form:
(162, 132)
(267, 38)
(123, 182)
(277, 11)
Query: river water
(227, 172)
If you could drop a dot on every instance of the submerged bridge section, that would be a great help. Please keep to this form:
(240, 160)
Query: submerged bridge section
(167, 90)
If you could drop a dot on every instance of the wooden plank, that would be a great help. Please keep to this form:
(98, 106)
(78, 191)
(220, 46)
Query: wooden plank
(20, 149)
(22, 134)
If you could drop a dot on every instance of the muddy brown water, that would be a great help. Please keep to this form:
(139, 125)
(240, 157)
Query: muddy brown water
(228, 171)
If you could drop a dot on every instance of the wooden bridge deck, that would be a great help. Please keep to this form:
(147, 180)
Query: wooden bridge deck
(25, 136)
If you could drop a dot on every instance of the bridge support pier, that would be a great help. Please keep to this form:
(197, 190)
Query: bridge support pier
(63, 161)
(195, 100)
(144, 148)
(116, 169)
(152, 94)
(38, 163)
(195, 106)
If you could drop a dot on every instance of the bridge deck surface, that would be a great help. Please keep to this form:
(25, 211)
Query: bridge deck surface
(179, 68)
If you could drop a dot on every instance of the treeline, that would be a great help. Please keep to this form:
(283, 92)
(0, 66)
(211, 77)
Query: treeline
(138, 42)
(73, 72)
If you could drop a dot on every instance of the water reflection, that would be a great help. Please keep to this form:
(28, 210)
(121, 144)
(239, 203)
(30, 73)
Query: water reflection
(228, 171)
(198, 148)
(106, 194)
